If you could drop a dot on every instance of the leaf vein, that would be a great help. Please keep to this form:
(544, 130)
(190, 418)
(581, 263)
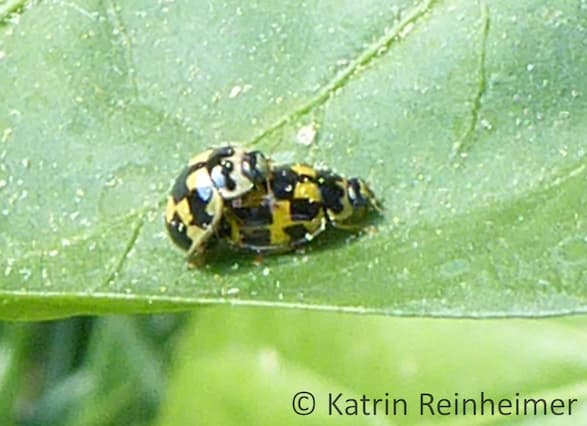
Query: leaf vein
(113, 12)
(464, 143)
(11, 6)
(125, 254)
(353, 69)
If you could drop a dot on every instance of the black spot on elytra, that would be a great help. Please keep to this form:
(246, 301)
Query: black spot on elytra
(198, 206)
(331, 191)
(303, 209)
(256, 237)
(254, 216)
(178, 232)
(283, 183)
(180, 189)
(297, 232)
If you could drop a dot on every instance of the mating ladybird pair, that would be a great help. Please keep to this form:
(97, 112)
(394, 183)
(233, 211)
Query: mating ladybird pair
(242, 197)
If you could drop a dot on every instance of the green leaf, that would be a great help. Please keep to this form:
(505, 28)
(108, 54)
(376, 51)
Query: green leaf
(240, 367)
(467, 118)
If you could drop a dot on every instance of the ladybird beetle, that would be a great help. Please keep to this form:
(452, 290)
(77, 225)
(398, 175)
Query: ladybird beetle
(196, 203)
(298, 203)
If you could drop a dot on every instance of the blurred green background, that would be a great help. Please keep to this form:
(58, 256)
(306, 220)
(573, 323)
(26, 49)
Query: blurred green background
(242, 366)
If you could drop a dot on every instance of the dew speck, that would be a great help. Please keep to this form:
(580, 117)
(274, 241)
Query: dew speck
(53, 253)
(306, 134)
(486, 124)
(112, 181)
(235, 91)
(543, 283)
(2, 54)
(265, 271)
(239, 90)
(216, 97)
(3, 183)
(163, 289)
(530, 67)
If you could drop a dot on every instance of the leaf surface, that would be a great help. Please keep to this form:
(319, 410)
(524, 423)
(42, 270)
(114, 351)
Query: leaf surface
(467, 118)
